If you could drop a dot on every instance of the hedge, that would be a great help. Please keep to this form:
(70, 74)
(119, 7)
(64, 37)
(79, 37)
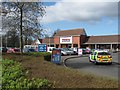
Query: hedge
(14, 76)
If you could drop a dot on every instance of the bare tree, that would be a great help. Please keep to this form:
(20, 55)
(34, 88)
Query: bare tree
(55, 32)
(23, 17)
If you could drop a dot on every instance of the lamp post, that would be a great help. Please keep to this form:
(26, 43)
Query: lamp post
(49, 35)
(48, 32)
(49, 41)
(6, 41)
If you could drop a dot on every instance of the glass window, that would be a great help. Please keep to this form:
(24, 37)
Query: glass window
(103, 53)
(75, 45)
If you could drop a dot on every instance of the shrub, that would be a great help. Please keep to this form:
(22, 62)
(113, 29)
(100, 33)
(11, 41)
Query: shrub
(47, 56)
(13, 76)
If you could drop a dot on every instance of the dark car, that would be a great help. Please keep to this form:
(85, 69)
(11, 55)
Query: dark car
(4, 49)
(31, 50)
(13, 50)
(86, 51)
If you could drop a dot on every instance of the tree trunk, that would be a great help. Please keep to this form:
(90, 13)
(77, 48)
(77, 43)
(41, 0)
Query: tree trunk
(21, 32)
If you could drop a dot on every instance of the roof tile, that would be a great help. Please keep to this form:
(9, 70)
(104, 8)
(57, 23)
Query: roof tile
(71, 32)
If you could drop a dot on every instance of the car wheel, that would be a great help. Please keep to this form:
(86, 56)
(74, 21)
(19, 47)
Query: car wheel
(62, 54)
(89, 60)
(96, 63)
(110, 63)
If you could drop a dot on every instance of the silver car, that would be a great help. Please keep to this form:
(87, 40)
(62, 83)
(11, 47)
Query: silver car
(66, 51)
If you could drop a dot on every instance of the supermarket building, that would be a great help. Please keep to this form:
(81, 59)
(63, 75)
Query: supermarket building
(78, 38)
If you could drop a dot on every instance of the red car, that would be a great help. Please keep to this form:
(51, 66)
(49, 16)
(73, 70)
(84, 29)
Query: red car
(13, 50)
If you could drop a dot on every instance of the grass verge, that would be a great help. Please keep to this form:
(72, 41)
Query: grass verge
(58, 75)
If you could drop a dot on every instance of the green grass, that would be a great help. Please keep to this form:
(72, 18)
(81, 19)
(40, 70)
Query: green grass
(60, 76)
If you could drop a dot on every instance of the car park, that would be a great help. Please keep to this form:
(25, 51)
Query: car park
(75, 50)
(4, 49)
(29, 50)
(69, 51)
(100, 56)
(63, 51)
(66, 51)
(49, 49)
(86, 51)
(13, 50)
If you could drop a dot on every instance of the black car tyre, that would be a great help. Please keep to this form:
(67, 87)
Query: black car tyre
(96, 63)
(110, 63)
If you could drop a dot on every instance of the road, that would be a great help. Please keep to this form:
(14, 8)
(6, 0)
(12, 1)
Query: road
(83, 64)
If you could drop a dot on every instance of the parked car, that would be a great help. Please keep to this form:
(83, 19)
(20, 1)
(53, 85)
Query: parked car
(66, 51)
(75, 50)
(63, 52)
(13, 50)
(86, 51)
(49, 49)
(29, 50)
(4, 49)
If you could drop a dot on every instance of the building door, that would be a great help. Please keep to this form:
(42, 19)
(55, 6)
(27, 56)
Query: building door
(57, 45)
(69, 46)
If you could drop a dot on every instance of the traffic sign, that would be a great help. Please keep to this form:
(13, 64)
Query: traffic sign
(42, 48)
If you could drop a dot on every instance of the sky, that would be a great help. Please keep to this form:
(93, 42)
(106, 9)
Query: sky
(96, 17)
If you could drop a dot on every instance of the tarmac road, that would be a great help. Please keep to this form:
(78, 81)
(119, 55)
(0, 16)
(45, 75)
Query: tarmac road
(103, 70)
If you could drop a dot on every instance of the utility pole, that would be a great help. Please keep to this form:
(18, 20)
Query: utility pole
(49, 36)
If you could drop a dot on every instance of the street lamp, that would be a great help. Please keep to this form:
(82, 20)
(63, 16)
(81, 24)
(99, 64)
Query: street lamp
(49, 41)
(47, 31)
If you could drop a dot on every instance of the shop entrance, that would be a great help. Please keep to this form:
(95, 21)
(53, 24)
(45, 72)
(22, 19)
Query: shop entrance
(65, 45)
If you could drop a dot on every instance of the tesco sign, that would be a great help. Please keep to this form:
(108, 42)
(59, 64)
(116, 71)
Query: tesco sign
(66, 40)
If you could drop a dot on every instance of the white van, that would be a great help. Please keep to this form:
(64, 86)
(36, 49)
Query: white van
(49, 49)
(27, 47)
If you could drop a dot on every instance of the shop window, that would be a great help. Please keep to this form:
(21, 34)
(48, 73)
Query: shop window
(51, 45)
(69, 46)
(75, 45)
(57, 45)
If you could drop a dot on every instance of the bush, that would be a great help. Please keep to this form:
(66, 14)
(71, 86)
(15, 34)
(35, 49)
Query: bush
(47, 56)
(13, 76)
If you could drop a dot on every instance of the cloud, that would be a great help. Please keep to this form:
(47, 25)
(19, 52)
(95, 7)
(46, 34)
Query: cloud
(80, 11)
(80, 0)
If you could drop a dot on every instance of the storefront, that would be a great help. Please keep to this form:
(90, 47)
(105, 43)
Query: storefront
(79, 39)
(69, 38)
(104, 42)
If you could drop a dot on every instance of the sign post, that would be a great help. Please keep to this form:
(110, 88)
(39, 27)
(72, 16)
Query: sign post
(56, 56)
(42, 48)
(80, 52)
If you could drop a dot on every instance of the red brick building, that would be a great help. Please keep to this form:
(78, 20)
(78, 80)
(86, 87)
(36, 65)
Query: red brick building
(69, 38)
(78, 38)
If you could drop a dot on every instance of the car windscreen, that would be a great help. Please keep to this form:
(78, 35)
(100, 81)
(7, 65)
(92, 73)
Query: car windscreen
(17, 50)
(103, 53)
(31, 50)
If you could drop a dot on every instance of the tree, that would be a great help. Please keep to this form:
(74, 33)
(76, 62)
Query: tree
(55, 32)
(11, 39)
(23, 18)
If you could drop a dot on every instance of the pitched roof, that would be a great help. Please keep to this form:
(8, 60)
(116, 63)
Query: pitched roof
(103, 39)
(47, 40)
(36, 42)
(71, 32)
